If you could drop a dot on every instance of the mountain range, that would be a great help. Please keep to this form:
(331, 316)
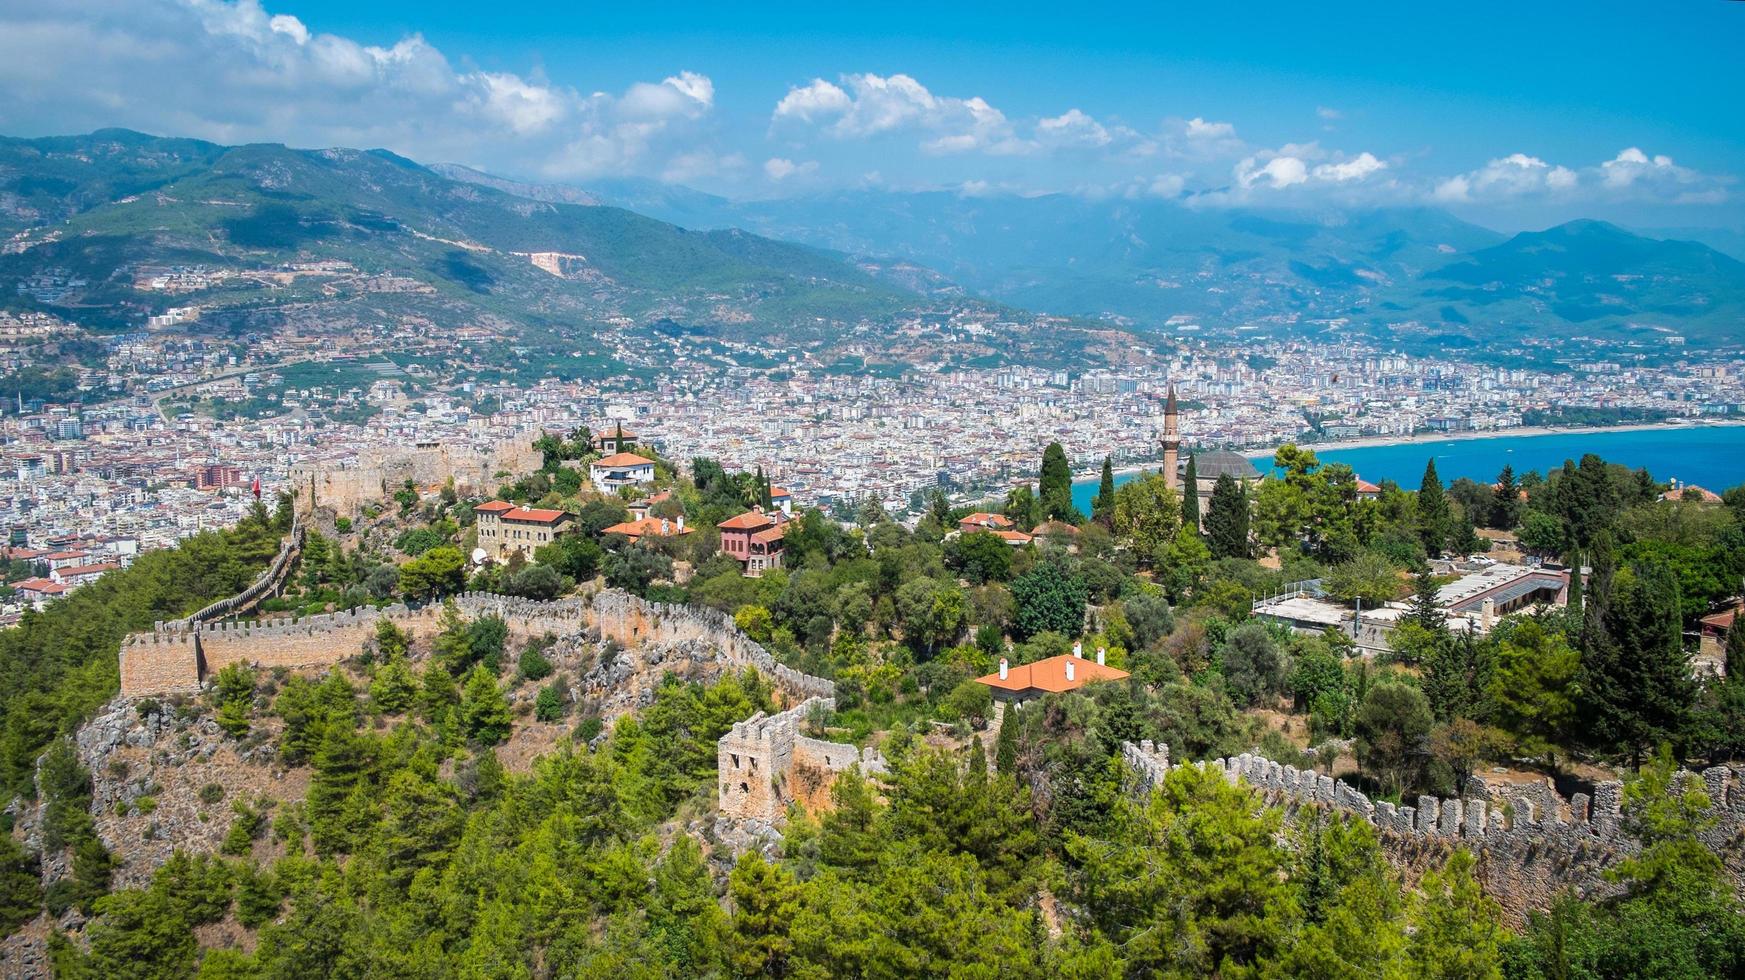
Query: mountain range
(1406, 273)
(97, 208)
(455, 246)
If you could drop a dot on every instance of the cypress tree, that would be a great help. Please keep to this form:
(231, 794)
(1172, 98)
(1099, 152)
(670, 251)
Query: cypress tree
(1103, 507)
(1006, 746)
(1575, 585)
(1433, 514)
(1227, 519)
(1735, 661)
(1055, 485)
(1191, 498)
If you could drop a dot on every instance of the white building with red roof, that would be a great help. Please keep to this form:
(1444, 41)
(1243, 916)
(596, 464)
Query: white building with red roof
(620, 470)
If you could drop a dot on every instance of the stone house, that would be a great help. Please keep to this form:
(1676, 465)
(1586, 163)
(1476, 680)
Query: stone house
(506, 529)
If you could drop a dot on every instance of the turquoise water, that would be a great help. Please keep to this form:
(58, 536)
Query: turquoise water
(1712, 457)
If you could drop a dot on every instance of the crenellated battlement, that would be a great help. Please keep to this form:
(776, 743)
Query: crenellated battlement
(1531, 841)
(177, 656)
(764, 763)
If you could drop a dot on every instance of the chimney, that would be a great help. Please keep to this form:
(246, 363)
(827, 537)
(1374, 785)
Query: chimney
(1490, 612)
(665, 529)
(1069, 671)
(1100, 654)
(1004, 668)
(1078, 650)
(681, 523)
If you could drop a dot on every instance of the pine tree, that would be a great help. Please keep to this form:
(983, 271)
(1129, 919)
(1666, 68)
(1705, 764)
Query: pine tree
(1227, 519)
(1103, 506)
(1506, 505)
(1638, 678)
(765, 899)
(1434, 521)
(1191, 498)
(484, 711)
(1426, 610)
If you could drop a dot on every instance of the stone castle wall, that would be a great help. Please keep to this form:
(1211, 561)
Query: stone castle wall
(177, 657)
(764, 764)
(349, 486)
(1532, 844)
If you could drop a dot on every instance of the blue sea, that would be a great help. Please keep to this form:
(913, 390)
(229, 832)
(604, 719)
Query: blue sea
(1712, 457)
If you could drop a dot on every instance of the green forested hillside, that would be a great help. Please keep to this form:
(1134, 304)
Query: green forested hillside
(95, 206)
(58, 665)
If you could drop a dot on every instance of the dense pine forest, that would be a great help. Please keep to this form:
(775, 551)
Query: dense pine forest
(1010, 849)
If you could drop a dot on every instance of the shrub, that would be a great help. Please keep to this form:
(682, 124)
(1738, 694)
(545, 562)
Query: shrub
(533, 664)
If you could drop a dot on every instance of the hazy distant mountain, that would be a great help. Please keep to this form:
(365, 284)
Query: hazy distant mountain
(1408, 273)
(1727, 241)
(1592, 276)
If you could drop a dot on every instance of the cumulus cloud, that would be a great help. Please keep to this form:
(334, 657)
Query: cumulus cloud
(232, 71)
(868, 105)
(1290, 166)
(781, 168)
(1510, 176)
(813, 102)
(1357, 168)
(1072, 128)
(1200, 129)
(1632, 175)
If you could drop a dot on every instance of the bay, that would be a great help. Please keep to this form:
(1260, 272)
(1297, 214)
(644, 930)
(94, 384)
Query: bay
(1710, 456)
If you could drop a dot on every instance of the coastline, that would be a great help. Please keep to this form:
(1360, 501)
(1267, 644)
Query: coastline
(1376, 442)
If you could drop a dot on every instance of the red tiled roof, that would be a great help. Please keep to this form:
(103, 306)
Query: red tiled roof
(748, 521)
(493, 507)
(648, 527)
(623, 459)
(42, 585)
(97, 569)
(1014, 537)
(530, 515)
(770, 535)
(1050, 675)
(984, 519)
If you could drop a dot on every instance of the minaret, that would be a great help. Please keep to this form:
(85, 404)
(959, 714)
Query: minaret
(1172, 441)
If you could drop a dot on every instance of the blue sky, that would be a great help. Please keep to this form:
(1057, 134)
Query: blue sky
(1513, 114)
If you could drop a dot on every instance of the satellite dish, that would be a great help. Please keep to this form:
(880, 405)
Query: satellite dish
(479, 556)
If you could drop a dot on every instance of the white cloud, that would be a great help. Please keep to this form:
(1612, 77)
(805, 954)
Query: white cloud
(1166, 185)
(781, 168)
(1200, 129)
(813, 102)
(231, 71)
(1357, 168)
(1632, 175)
(1328, 113)
(1277, 173)
(1072, 128)
(523, 107)
(870, 105)
(1290, 166)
